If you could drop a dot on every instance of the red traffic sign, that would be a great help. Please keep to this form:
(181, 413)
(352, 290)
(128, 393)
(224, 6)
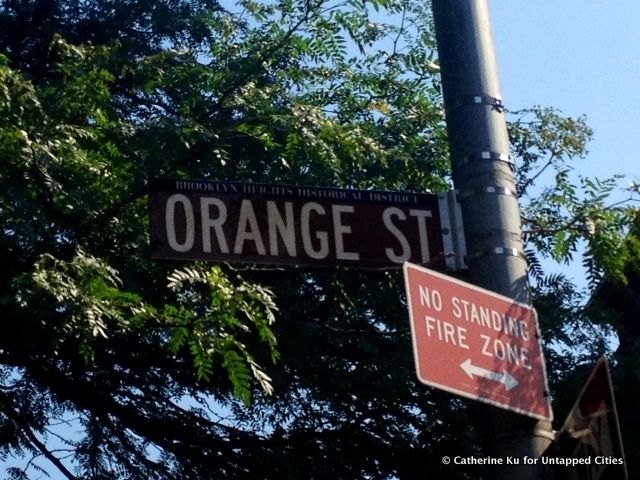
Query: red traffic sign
(476, 343)
(591, 431)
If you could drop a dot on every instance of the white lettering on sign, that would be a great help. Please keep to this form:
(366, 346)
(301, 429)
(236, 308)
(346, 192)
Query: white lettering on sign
(284, 227)
(271, 228)
(248, 229)
(421, 217)
(446, 332)
(482, 316)
(339, 230)
(476, 343)
(170, 215)
(216, 223)
(430, 298)
(502, 350)
(305, 214)
(405, 250)
(489, 318)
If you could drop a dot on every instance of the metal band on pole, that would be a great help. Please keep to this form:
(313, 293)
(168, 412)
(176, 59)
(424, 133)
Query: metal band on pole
(482, 190)
(512, 252)
(481, 99)
(494, 156)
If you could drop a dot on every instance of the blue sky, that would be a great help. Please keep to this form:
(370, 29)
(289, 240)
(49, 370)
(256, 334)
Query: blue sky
(582, 57)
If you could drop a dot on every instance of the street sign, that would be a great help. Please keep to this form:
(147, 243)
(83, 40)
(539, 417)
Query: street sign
(476, 343)
(591, 431)
(292, 225)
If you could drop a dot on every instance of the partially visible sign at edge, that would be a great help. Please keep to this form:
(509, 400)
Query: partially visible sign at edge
(591, 432)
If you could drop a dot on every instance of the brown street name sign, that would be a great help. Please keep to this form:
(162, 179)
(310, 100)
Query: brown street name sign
(292, 225)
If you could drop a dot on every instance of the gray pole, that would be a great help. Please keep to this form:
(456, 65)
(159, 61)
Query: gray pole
(483, 175)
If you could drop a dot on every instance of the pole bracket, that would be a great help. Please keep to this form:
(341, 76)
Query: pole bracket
(452, 231)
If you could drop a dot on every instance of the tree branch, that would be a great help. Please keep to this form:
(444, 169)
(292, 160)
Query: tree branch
(266, 55)
(22, 425)
(48, 455)
(529, 182)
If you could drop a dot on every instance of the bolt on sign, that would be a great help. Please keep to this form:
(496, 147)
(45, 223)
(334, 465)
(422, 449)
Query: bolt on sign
(292, 225)
(475, 343)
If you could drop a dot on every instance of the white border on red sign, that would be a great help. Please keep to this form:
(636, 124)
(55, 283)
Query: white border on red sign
(405, 267)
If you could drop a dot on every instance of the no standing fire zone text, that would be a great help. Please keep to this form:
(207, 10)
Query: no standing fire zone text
(476, 343)
(500, 348)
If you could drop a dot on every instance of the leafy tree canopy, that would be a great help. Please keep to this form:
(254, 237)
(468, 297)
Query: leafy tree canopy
(116, 366)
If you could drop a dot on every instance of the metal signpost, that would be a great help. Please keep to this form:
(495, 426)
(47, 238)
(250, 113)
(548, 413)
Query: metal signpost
(476, 343)
(296, 225)
(482, 171)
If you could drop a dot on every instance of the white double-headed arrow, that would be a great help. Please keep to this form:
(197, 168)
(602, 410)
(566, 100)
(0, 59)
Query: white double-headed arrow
(505, 377)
